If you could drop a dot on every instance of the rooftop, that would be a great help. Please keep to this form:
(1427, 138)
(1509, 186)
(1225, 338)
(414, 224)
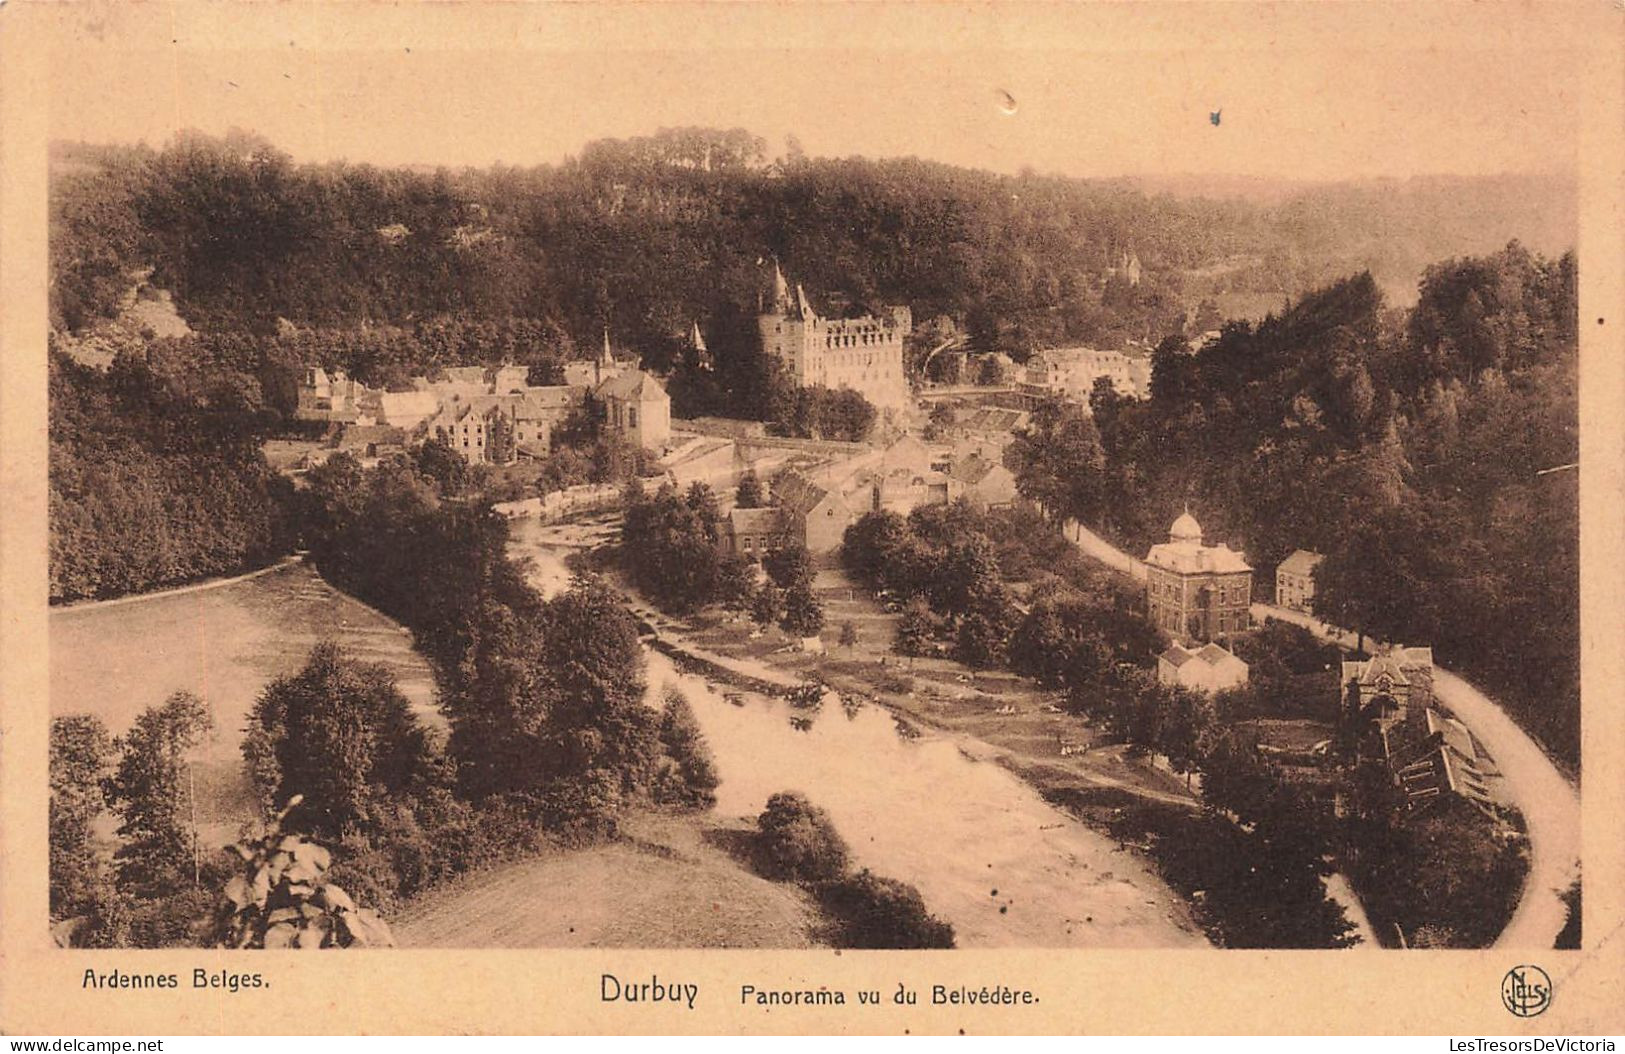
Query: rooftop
(1301, 562)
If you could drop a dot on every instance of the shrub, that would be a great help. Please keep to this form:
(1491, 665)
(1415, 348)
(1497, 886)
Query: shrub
(368, 873)
(689, 774)
(877, 912)
(797, 841)
(177, 920)
(581, 811)
(109, 921)
(284, 898)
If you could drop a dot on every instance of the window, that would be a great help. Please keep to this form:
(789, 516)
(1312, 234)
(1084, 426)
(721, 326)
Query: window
(631, 417)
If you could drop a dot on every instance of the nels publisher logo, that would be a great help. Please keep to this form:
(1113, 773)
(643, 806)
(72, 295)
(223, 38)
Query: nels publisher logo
(1526, 991)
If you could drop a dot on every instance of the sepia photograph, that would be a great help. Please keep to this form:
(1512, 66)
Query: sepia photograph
(812, 478)
(718, 525)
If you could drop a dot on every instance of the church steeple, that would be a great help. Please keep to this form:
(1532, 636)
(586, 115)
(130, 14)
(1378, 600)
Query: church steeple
(604, 362)
(696, 344)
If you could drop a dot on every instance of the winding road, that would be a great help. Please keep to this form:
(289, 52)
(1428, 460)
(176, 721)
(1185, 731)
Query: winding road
(1550, 803)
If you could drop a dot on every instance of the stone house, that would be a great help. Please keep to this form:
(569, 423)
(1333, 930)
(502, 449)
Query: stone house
(1196, 591)
(1295, 580)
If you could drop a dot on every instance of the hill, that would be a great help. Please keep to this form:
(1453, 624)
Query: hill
(647, 235)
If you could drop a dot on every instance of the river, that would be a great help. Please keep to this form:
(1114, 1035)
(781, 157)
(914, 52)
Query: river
(986, 852)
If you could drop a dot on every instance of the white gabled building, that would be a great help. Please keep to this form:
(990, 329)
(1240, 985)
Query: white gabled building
(1210, 668)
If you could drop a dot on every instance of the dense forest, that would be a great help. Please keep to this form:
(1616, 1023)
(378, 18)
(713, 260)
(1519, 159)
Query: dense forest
(647, 235)
(1428, 454)
(157, 480)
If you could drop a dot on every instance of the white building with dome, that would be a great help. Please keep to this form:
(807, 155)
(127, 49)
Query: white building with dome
(1197, 592)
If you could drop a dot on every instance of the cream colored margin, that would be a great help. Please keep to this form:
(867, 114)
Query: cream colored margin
(1453, 993)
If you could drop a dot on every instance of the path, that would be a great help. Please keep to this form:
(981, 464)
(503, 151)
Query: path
(1338, 888)
(196, 587)
(1530, 781)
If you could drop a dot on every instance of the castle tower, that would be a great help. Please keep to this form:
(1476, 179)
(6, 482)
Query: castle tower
(781, 289)
(863, 354)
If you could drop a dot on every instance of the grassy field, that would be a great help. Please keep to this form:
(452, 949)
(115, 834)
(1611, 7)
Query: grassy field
(224, 644)
(672, 882)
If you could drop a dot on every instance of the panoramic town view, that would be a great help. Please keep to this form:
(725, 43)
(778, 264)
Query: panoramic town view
(702, 542)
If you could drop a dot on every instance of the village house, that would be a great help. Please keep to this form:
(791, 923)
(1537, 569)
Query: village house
(636, 408)
(1442, 763)
(499, 429)
(333, 397)
(752, 532)
(1396, 683)
(984, 482)
(1071, 373)
(1295, 580)
(1196, 591)
(329, 395)
(1210, 668)
(815, 515)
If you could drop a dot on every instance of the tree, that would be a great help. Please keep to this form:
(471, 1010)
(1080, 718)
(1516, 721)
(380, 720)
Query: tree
(797, 842)
(788, 563)
(915, 630)
(1059, 463)
(341, 735)
(670, 546)
(767, 605)
(593, 665)
(692, 779)
(436, 459)
(749, 494)
(736, 581)
(803, 614)
(153, 791)
(849, 635)
(878, 912)
(80, 752)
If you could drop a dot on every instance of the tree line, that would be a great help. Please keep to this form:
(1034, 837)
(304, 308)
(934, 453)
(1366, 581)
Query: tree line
(647, 235)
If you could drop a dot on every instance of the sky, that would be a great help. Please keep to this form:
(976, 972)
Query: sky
(1304, 92)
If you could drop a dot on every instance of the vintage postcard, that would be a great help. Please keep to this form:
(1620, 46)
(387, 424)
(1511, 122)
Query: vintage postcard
(812, 518)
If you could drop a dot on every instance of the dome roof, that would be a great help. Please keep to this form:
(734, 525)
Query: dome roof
(1185, 529)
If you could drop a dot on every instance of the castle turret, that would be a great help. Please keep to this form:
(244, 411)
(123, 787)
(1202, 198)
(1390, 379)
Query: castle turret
(781, 290)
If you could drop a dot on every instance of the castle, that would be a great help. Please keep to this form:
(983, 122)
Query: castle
(864, 354)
